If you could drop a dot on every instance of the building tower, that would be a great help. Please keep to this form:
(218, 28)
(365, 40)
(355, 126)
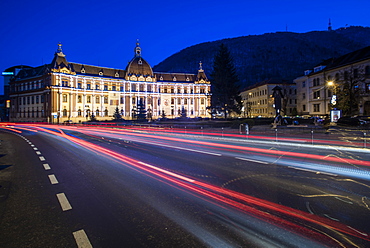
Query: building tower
(329, 27)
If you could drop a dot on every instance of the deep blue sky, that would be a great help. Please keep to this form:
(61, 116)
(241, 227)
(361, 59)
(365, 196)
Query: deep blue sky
(104, 32)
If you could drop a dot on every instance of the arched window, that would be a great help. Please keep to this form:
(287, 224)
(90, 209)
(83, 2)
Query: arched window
(97, 112)
(106, 112)
(64, 113)
(79, 112)
(367, 70)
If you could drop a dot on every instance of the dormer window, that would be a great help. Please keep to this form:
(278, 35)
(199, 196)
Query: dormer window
(140, 62)
(174, 79)
(116, 75)
(100, 73)
(161, 78)
(187, 79)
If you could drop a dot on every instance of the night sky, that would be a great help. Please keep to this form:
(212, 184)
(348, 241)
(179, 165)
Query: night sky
(104, 32)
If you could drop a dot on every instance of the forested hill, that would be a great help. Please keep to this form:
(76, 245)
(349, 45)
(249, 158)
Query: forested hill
(280, 54)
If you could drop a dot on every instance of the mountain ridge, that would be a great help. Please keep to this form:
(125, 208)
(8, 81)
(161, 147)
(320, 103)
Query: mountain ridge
(279, 55)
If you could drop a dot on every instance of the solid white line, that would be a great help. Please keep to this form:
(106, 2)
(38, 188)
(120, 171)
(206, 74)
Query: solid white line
(252, 160)
(81, 239)
(42, 158)
(53, 179)
(64, 203)
(38, 153)
(46, 166)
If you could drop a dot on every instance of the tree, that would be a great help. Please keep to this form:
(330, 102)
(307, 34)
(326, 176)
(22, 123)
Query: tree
(225, 88)
(348, 89)
(117, 115)
(141, 111)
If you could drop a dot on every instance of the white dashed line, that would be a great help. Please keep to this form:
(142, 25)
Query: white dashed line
(32, 145)
(38, 153)
(81, 239)
(64, 203)
(35, 148)
(42, 158)
(53, 179)
(46, 166)
(252, 160)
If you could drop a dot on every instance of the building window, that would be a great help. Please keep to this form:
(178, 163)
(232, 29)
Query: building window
(355, 73)
(97, 99)
(37, 99)
(79, 99)
(367, 70)
(114, 88)
(316, 108)
(202, 101)
(64, 83)
(79, 85)
(133, 87)
(88, 100)
(179, 101)
(97, 112)
(316, 95)
(106, 99)
(88, 86)
(97, 86)
(105, 87)
(64, 97)
(64, 113)
(304, 107)
(367, 88)
(316, 82)
(79, 112)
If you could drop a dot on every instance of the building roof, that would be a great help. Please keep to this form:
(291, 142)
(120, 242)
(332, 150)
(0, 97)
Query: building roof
(270, 81)
(350, 58)
(344, 60)
(137, 66)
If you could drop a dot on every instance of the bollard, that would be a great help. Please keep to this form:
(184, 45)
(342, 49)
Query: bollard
(311, 137)
(275, 134)
(364, 140)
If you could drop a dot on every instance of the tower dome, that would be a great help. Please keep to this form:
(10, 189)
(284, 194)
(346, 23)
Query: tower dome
(138, 67)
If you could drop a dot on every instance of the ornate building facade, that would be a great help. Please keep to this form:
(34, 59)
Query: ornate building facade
(63, 91)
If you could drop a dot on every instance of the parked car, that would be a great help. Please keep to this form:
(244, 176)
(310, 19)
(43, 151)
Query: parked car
(350, 121)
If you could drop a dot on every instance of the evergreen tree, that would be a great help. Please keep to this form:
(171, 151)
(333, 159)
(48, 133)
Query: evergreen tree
(141, 111)
(225, 87)
(117, 115)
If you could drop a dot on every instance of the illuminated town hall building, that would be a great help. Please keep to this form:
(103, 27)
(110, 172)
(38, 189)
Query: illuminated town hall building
(63, 91)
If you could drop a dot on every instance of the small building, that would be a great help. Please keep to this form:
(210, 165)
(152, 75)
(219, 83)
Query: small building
(258, 99)
(65, 91)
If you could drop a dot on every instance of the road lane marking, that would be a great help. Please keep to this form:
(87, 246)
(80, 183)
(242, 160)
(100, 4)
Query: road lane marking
(252, 160)
(35, 148)
(63, 201)
(53, 179)
(38, 153)
(46, 166)
(42, 158)
(32, 145)
(81, 239)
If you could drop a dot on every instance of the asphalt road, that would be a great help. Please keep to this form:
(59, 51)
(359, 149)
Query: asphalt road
(96, 187)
